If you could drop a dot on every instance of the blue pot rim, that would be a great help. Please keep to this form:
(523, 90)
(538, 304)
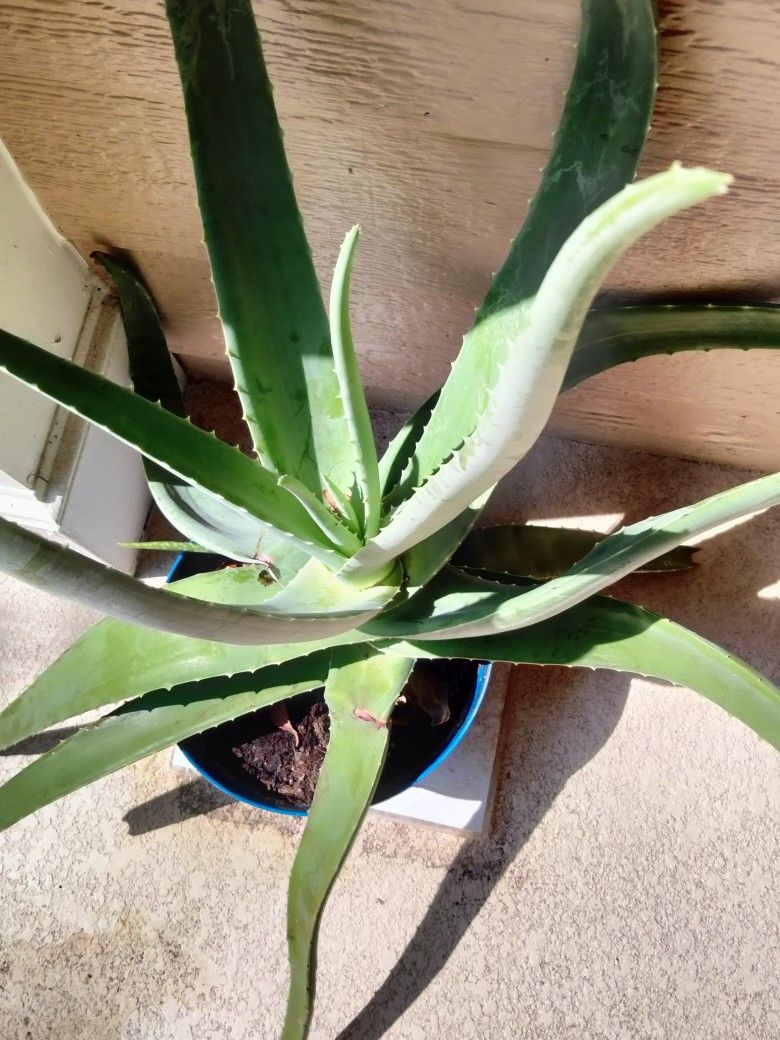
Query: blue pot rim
(480, 688)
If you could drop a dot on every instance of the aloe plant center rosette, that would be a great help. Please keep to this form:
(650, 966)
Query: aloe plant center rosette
(374, 561)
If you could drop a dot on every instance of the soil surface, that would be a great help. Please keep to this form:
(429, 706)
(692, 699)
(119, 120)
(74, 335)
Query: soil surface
(420, 724)
(276, 762)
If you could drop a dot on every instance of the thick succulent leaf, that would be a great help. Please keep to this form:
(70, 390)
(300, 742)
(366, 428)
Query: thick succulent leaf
(614, 335)
(243, 586)
(151, 365)
(358, 422)
(340, 503)
(272, 312)
(169, 546)
(115, 661)
(427, 558)
(174, 443)
(455, 604)
(595, 154)
(333, 528)
(317, 592)
(400, 450)
(531, 343)
(622, 637)
(332, 609)
(209, 521)
(544, 552)
(362, 688)
(224, 530)
(598, 143)
(150, 724)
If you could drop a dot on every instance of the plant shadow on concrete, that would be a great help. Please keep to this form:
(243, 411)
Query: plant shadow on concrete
(185, 802)
(556, 729)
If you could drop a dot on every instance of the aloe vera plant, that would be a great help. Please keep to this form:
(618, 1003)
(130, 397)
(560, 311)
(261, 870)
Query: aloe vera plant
(374, 561)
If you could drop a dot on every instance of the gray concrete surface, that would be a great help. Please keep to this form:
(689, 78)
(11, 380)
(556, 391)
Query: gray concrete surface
(627, 889)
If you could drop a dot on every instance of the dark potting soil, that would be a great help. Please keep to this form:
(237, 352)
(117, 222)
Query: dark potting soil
(266, 756)
(279, 765)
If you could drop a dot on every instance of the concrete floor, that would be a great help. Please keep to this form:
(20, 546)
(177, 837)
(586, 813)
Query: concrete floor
(627, 889)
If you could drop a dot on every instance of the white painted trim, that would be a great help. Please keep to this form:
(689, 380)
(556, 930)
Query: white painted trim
(58, 474)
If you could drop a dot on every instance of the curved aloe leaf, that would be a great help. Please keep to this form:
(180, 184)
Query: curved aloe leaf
(340, 503)
(337, 532)
(596, 152)
(273, 316)
(427, 558)
(531, 344)
(544, 552)
(615, 335)
(207, 520)
(595, 155)
(174, 443)
(211, 522)
(400, 450)
(458, 605)
(150, 724)
(612, 336)
(169, 546)
(317, 592)
(362, 688)
(63, 572)
(358, 423)
(151, 366)
(607, 633)
(224, 530)
(115, 661)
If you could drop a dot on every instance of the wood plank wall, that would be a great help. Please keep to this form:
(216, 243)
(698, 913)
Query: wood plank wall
(427, 123)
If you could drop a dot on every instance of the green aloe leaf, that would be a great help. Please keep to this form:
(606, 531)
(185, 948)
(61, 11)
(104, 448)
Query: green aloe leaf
(115, 661)
(315, 607)
(595, 154)
(150, 724)
(615, 335)
(169, 546)
(208, 521)
(544, 552)
(520, 376)
(174, 443)
(272, 312)
(427, 558)
(622, 637)
(151, 365)
(596, 151)
(334, 528)
(458, 605)
(358, 422)
(224, 530)
(340, 503)
(317, 592)
(362, 688)
(400, 450)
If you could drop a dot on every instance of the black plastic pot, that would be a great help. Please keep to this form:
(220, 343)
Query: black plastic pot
(415, 751)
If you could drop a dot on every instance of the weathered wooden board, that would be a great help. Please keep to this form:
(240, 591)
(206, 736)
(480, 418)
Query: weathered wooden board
(427, 123)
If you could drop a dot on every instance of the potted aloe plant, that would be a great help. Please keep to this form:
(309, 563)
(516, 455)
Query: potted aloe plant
(373, 562)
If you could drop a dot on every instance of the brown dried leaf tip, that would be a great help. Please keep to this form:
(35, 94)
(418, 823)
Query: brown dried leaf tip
(331, 502)
(281, 720)
(365, 716)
